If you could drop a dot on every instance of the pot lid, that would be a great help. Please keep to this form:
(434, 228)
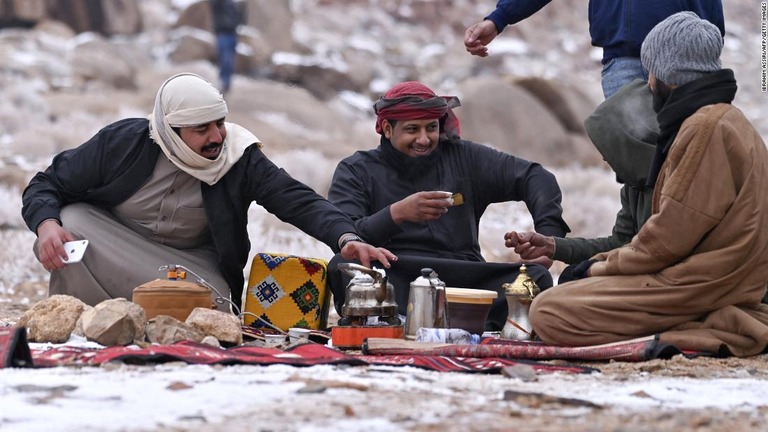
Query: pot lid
(470, 293)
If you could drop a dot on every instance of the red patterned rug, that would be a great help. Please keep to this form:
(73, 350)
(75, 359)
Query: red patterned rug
(307, 354)
(15, 352)
(490, 356)
(634, 350)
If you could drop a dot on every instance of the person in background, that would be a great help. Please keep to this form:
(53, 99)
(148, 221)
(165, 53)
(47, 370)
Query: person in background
(617, 26)
(173, 188)
(422, 192)
(624, 130)
(696, 272)
(227, 16)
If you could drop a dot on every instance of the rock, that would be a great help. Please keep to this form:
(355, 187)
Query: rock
(324, 81)
(274, 20)
(222, 325)
(191, 45)
(23, 13)
(508, 118)
(523, 372)
(114, 322)
(211, 341)
(165, 330)
(568, 104)
(107, 17)
(55, 28)
(99, 60)
(53, 319)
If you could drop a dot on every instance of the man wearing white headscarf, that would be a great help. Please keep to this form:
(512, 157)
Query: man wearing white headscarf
(171, 189)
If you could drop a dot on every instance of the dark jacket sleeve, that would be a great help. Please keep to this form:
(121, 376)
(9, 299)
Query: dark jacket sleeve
(510, 12)
(504, 177)
(348, 191)
(577, 249)
(296, 203)
(100, 171)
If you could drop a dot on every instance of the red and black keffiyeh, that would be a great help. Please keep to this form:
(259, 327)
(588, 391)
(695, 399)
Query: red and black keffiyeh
(413, 100)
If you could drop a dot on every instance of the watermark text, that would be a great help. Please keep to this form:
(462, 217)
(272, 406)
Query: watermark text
(764, 46)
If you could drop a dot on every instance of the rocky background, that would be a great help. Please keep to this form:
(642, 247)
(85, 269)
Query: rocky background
(308, 72)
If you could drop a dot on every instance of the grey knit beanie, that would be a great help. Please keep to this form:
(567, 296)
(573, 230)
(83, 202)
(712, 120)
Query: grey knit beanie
(682, 48)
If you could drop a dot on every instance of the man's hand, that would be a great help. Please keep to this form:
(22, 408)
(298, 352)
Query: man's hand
(530, 245)
(366, 253)
(421, 207)
(478, 36)
(50, 244)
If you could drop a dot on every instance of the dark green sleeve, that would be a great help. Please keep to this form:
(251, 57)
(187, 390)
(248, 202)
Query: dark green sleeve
(576, 249)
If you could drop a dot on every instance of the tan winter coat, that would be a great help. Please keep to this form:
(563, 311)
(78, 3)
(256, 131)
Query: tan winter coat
(697, 270)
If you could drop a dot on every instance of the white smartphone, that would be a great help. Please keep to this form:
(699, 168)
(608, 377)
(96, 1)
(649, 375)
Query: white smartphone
(75, 250)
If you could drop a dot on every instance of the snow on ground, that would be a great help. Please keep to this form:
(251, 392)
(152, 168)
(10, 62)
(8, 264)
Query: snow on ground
(169, 397)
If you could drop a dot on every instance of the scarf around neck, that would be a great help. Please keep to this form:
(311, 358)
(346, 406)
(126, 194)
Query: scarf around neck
(186, 100)
(683, 102)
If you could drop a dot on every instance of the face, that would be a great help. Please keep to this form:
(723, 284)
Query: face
(205, 139)
(660, 90)
(413, 137)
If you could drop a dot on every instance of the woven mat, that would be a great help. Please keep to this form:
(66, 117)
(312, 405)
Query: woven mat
(307, 354)
(490, 356)
(634, 350)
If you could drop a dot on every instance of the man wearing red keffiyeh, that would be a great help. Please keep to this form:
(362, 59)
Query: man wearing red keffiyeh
(422, 192)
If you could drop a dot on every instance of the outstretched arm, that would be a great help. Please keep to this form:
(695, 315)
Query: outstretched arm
(479, 35)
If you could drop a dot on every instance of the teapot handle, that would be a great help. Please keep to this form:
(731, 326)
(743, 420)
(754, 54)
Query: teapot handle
(441, 308)
(352, 267)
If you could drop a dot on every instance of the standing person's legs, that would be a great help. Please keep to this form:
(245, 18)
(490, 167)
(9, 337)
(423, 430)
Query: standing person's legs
(226, 45)
(619, 72)
(118, 259)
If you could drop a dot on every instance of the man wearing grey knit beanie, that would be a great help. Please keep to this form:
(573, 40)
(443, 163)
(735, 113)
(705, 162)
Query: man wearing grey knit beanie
(695, 274)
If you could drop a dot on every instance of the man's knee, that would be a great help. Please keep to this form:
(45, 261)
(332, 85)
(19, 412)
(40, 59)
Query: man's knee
(544, 317)
(78, 217)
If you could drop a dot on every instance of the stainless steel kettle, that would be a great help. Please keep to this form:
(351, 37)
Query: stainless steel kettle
(368, 294)
(427, 304)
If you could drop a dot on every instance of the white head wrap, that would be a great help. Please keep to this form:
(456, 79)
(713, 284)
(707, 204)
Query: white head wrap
(186, 100)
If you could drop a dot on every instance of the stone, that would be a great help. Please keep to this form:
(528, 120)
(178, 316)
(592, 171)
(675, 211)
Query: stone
(568, 104)
(107, 17)
(115, 322)
(211, 341)
(192, 45)
(53, 319)
(222, 325)
(101, 61)
(23, 13)
(166, 330)
(525, 127)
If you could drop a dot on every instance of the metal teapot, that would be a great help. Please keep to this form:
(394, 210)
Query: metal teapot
(368, 294)
(520, 294)
(427, 304)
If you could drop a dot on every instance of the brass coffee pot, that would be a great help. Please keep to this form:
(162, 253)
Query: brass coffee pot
(520, 294)
(368, 294)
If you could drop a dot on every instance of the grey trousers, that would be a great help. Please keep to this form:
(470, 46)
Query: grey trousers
(119, 259)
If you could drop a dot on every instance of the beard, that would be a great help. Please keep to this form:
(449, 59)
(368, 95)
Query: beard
(660, 95)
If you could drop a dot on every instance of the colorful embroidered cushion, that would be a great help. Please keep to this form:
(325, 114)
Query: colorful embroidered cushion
(287, 291)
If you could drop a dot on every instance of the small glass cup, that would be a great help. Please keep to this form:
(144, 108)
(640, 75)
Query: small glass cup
(273, 340)
(298, 334)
